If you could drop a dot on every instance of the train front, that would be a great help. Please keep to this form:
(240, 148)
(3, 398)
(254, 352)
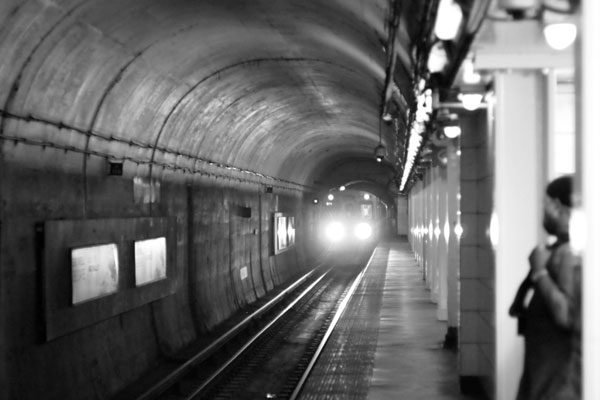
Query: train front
(351, 224)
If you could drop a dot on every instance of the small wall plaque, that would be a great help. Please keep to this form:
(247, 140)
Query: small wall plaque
(115, 168)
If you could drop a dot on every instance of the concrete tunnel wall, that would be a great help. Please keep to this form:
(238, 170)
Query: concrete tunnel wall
(97, 360)
(70, 103)
(203, 105)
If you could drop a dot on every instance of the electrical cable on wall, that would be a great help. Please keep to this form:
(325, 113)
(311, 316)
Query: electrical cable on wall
(112, 138)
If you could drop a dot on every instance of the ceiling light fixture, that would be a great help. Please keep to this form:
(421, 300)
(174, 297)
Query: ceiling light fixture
(438, 58)
(471, 101)
(448, 20)
(560, 30)
(556, 17)
(469, 75)
(380, 150)
(424, 106)
(448, 123)
(414, 144)
(560, 35)
(452, 131)
(379, 153)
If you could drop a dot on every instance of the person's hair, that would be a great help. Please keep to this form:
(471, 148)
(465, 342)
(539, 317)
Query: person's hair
(562, 189)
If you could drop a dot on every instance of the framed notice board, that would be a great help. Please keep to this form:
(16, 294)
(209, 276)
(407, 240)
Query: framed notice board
(95, 269)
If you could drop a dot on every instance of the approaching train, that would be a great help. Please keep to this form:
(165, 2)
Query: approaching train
(351, 221)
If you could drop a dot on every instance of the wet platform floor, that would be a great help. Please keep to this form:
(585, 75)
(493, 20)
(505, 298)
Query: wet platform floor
(388, 342)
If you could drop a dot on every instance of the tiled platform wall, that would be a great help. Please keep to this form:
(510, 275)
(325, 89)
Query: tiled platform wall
(459, 273)
(476, 331)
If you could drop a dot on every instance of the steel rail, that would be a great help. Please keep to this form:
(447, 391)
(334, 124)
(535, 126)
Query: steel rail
(330, 329)
(231, 360)
(168, 381)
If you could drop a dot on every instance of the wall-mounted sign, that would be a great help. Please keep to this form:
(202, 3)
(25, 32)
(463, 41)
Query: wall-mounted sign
(94, 272)
(284, 232)
(150, 260)
(101, 280)
(281, 233)
(291, 231)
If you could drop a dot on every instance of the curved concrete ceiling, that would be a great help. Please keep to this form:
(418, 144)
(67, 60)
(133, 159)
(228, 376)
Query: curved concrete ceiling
(280, 88)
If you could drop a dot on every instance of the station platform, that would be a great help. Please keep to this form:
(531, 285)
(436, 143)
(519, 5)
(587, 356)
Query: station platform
(388, 343)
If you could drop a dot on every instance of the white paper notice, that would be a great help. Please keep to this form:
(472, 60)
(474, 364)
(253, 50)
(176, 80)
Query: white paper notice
(94, 272)
(150, 260)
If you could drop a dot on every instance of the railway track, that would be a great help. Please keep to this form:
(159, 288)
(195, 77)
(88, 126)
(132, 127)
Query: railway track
(271, 355)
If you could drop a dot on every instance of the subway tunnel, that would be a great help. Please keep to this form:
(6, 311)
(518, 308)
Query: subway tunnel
(202, 122)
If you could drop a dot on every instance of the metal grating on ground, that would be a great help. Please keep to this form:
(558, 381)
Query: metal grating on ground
(345, 367)
(388, 343)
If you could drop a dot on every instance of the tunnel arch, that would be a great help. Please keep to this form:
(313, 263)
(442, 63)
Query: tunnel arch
(194, 120)
(80, 34)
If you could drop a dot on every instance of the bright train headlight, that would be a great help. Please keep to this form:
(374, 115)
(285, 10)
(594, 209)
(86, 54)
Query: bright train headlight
(335, 232)
(363, 231)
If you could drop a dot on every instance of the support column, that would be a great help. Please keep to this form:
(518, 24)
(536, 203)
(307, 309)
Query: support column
(415, 212)
(428, 208)
(519, 128)
(442, 243)
(453, 190)
(476, 328)
(411, 221)
(588, 139)
(402, 226)
(435, 236)
(422, 210)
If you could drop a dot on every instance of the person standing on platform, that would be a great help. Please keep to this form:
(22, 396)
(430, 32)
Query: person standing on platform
(551, 322)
